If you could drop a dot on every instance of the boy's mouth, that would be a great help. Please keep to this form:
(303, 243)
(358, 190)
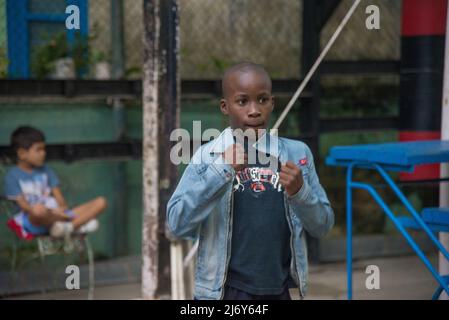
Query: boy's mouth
(260, 125)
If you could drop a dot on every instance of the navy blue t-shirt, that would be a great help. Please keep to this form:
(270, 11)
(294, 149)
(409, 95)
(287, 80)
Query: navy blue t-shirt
(260, 250)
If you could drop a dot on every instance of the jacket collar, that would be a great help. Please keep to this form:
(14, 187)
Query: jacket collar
(268, 143)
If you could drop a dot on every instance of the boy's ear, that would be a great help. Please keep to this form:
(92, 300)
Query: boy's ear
(224, 107)
(21, 152)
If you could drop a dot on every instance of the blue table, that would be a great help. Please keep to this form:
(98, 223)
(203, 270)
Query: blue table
(398, 156)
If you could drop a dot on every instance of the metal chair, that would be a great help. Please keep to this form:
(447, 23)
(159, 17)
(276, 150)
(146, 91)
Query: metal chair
(46, 246)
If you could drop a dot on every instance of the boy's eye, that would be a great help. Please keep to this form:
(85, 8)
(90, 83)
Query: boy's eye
(241, 102)
(263, 100)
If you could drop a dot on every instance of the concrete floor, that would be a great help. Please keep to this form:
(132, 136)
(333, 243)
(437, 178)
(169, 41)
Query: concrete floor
(400, 278)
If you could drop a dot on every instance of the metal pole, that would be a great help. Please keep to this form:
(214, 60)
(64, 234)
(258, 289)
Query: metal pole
(309, 112)
(161, 101)
(444, 169)
(117, 47)
(118, 238)
(150, 225)
(170, 102)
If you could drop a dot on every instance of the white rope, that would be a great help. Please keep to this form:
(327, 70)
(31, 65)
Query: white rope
(191, 254)
(177, 274)
(316, 65)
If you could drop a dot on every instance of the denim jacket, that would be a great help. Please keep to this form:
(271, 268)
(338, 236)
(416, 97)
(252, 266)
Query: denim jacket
(202, 204)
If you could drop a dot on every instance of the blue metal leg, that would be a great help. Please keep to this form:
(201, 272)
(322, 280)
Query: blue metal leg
(437, 293)
(349, 230)
(404, 232)
(410, 208)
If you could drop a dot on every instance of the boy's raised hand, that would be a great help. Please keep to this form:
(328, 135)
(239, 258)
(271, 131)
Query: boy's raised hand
(235, 156)
(290, 177)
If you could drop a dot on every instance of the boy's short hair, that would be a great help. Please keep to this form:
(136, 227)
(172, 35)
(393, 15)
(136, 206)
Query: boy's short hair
(244, 66)
(24, 137)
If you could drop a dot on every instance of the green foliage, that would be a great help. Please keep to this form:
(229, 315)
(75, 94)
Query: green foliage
(220, 64)
(96, 56)
(80, 53)
(132, 70)
(45, 56)
(57, 47)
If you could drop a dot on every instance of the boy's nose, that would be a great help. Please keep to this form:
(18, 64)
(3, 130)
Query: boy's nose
(253, 111)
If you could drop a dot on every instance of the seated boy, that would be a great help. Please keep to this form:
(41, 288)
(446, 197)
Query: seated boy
(249, 215)
(35, 189)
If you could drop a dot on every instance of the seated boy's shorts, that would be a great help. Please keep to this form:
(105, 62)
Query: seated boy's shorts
(40, 230)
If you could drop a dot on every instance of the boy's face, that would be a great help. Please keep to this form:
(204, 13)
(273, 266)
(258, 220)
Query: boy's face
(34, 156)
(248, 101)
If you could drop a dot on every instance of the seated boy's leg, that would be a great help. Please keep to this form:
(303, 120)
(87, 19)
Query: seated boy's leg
(45, 218)
(88, 211)
(34, 229)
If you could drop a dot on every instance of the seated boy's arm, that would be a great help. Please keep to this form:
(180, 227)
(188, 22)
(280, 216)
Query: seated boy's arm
(23, 204)
(57, 193)
(311, 204)
(197, 194)
(26, 207)
(13, 191)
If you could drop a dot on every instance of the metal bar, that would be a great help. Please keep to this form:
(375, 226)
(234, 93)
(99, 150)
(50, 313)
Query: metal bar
(83, 151)
(360, 67)
(169, 120)
(118, 235)
(444, 167)
(117, 48)
(349, 230)
(404, 232)
(46, 17)
(327, 9)
(309, 111)
(358, 124)
(132, 88)
(161, 114)
(151, 100)
(91, 262)
(412, 210)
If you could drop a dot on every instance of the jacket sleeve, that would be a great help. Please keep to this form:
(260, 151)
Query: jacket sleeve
(311, 204)
(197, 194)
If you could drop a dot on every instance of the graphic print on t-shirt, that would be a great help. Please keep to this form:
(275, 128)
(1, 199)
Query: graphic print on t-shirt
(257, 179)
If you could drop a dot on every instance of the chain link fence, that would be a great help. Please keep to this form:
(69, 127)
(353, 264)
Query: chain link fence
(34, 42)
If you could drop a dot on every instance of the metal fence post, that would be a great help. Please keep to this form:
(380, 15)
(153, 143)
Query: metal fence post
(160, 116)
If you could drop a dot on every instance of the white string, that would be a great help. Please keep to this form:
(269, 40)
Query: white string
(191, 254)
(315, 65)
